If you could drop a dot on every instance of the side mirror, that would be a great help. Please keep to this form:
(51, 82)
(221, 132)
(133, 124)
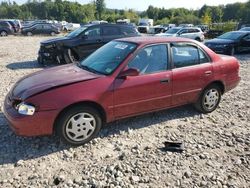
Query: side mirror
(128, 72)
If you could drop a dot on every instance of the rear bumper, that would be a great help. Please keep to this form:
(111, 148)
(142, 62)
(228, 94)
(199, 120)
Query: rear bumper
(232, 84)
(41, 123)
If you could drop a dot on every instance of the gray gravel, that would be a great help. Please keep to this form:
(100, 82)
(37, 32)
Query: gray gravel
(130, 153)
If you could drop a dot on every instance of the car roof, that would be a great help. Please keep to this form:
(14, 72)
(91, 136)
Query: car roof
(153, 39)
(108, 24)
(242, 32)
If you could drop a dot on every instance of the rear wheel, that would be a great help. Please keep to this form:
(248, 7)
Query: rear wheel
(79, 125)
(209, 99)
(52, 33)
(3, 34)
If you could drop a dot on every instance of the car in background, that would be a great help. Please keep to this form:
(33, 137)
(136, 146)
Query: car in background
(230, 43)
(212, 33)
(5, 29)
(245, 29)
(71, 27)
(126, 77)
(40, 28)
(194, 33)
(82, 42)
(16, 24)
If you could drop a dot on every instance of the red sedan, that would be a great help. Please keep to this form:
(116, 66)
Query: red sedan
(124, 78)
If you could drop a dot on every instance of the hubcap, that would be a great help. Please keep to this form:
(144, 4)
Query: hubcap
(211, 99)
(80, 126)
(3, 33)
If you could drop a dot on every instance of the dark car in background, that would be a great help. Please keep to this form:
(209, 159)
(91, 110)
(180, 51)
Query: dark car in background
(82, 42)
(230, 43)
(40, 28)
(5, 28)
(245, 29)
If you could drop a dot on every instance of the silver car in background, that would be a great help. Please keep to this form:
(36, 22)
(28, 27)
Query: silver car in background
(185, 32)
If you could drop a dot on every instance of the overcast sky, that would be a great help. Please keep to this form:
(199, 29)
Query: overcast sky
(143, 4)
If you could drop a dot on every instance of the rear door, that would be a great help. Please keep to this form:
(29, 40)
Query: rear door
(192, 71)
(148, 91)
(110, 33)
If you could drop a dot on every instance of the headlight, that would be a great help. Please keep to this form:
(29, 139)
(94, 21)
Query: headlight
(25, 109)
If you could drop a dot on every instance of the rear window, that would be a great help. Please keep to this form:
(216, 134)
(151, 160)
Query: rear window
(128, 30)
(4, 24)
(107, 31)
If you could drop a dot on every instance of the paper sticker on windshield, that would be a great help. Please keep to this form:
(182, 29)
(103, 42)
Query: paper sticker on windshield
(108, 70)
(121, 46)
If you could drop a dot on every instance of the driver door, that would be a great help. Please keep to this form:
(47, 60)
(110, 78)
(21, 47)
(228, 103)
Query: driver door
(150, 90)
(90, 41)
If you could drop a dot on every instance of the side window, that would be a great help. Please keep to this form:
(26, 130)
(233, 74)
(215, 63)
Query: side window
(247, 38)
(47, 27)
(107, 31)
(128, 30)
(151, 59)
(203, 57)
(184, 55)
(93, 32)
(39, 26)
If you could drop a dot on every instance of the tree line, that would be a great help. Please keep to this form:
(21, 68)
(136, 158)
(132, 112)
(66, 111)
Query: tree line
(76, 12)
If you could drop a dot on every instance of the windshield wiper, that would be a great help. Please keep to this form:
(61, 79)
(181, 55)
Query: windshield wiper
(89, 69)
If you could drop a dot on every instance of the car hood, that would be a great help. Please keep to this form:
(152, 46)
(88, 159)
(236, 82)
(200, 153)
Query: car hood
(220, 41)
(55, 40)
(50, 78)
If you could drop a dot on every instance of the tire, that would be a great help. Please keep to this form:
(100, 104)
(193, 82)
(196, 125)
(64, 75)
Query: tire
(69, 56)
(209, 99)
(74, 130)
(232, 51)
(198, 39)
(3, 34)
(29, 33)
(52, 33)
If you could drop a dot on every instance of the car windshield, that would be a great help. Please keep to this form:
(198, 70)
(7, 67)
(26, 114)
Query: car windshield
(231, 36)
(172, 31)
(76, 32)
(107, 58)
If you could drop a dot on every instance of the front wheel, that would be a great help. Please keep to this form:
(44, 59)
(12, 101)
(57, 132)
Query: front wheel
(232, 51)
(70, 56)
(209, 99)
(79, 125)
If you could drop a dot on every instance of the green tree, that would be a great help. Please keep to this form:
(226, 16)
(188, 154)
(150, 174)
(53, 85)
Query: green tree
(100, 8)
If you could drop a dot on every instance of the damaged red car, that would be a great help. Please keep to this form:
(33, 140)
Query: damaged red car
(124, 78)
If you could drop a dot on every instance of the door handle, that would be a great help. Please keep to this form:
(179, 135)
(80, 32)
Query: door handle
(98, 40)
(208, 73)
(165, 80)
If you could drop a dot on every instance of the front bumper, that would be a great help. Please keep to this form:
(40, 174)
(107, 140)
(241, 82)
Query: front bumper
(41, 123)
(49, 55)
(221, 50)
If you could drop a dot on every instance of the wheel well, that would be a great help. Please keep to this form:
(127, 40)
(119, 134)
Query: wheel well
(220, 84)
(94, 105)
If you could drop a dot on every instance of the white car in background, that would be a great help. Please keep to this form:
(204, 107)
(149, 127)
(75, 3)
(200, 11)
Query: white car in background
(185, 32)
(71, 26)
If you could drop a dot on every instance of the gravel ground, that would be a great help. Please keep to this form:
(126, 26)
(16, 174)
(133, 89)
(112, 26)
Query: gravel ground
(130, 153)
